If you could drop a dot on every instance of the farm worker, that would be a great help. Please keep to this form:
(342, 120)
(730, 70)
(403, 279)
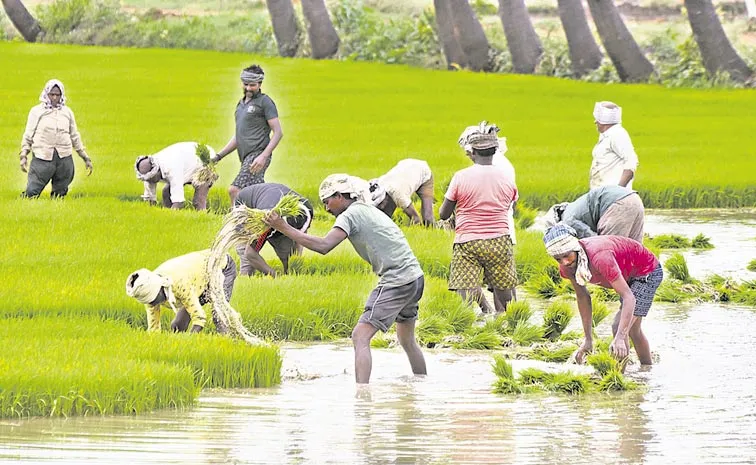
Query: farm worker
(614, 158)
(612, 262)
(481, 195)
(181, 284)
(51, 135)
(256, 117)
(380, 242)
(499, 159)
(176, 166)
(395, 189)
(265, 196)
(603, 211)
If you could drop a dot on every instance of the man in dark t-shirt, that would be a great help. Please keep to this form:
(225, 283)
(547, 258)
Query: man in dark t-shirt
(265, 196)
(256, 117)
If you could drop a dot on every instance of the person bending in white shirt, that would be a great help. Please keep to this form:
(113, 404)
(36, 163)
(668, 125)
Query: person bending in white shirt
(175, 165)
(614, 157)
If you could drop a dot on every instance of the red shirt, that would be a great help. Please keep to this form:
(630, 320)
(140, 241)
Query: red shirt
(610, 257)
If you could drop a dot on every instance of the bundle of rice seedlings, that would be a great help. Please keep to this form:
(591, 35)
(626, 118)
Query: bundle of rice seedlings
(603, 294)
(460, 317)
(556, 317)
(701, 242)
(568, 382)
(602, 362)
(600, 311)
(524, 216)
(613, 380)
(502, 368)
(480, 340)
(555, 355)
(543, 285)
(507, 386)
(534, 376)
(751, 265)
(670, 291)
(670, 241)
(517, 311)
(525, 334)
(571, 335)
(207, 174)
(431, 329)
(678, 268)
(497, 324)
(240, 226)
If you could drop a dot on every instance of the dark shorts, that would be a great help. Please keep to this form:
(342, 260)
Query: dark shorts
(493, 258)
(245, 177)
(644, 289)
(385, 305)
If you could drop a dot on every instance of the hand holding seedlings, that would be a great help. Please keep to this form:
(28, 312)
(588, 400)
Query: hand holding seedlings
(579, 356)
(618, 348)
(275, 221)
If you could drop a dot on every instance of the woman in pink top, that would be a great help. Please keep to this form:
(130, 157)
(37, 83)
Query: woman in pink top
(612, 262)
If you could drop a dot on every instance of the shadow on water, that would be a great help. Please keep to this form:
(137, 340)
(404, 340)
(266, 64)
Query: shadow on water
(698, 405)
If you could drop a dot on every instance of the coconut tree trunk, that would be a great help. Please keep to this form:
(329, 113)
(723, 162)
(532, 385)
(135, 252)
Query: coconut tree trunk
(522, 40)
(471, 36)
(448, 35)
(26, 24)
(585, 54)
(324, 39)
(624, 52)
(285, 26)
(716, 50)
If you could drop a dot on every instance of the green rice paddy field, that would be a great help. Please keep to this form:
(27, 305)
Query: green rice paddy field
(65, 311)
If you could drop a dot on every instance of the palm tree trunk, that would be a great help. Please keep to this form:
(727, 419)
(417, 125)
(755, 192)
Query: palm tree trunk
(324, 39)
(585, 54)
(26, 24)
(472, 39)
(448, 35)
(522, 40)
(285, 26)
(716, 50)
(620, 45)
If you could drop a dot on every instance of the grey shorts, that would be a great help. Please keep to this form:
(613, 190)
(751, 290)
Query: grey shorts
(229, 277)
(644, 290)
(245, 177)
(385, 305)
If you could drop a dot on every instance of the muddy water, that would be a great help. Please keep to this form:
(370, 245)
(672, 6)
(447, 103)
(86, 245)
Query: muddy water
(699, 405)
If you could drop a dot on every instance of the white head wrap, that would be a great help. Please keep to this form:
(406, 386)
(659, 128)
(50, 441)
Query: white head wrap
(150, 174)
(345, 184)
(144, 285)
(48, 87)
(561, 239)
(378, 193)
(607, 113)
(482, 136)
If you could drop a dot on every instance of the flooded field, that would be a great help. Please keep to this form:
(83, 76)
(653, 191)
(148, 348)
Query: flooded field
(698, 406)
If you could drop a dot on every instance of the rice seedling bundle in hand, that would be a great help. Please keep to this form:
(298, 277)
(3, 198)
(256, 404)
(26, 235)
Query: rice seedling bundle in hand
(240, 226)
(207, 174)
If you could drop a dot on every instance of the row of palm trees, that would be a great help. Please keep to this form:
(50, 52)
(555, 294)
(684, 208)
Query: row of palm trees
(465, 44)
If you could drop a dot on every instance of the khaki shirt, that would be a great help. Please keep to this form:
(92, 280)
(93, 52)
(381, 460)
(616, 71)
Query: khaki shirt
(189, 279)
(51, 128)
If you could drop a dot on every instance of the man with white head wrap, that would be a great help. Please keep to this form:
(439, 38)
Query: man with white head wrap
(499, 159)
(181, 284)
(613, 262)
(482, 196)
(381, 243)
(176, 165)
(256, 117)
(395, 189)
(614, 158)
(51, 135)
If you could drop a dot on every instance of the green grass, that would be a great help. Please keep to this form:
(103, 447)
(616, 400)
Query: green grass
(751, 265)
(85, 366)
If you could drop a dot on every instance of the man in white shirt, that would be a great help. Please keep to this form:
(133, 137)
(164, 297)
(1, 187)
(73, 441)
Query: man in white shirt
(395, 189)
(614, 157)
(176, 165)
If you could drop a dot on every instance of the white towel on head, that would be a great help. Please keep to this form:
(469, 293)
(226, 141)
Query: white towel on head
(607, 113)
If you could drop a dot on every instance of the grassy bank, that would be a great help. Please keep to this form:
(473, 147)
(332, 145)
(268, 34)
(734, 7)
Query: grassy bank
(362, 118)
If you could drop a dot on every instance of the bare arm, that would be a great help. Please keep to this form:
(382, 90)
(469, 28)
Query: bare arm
(585, 308)
(257, 262)
(447, 208)
(321, 245)
(627, 176)
(628, 306)
(228, 148)
(411, 212)
(426, 206)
